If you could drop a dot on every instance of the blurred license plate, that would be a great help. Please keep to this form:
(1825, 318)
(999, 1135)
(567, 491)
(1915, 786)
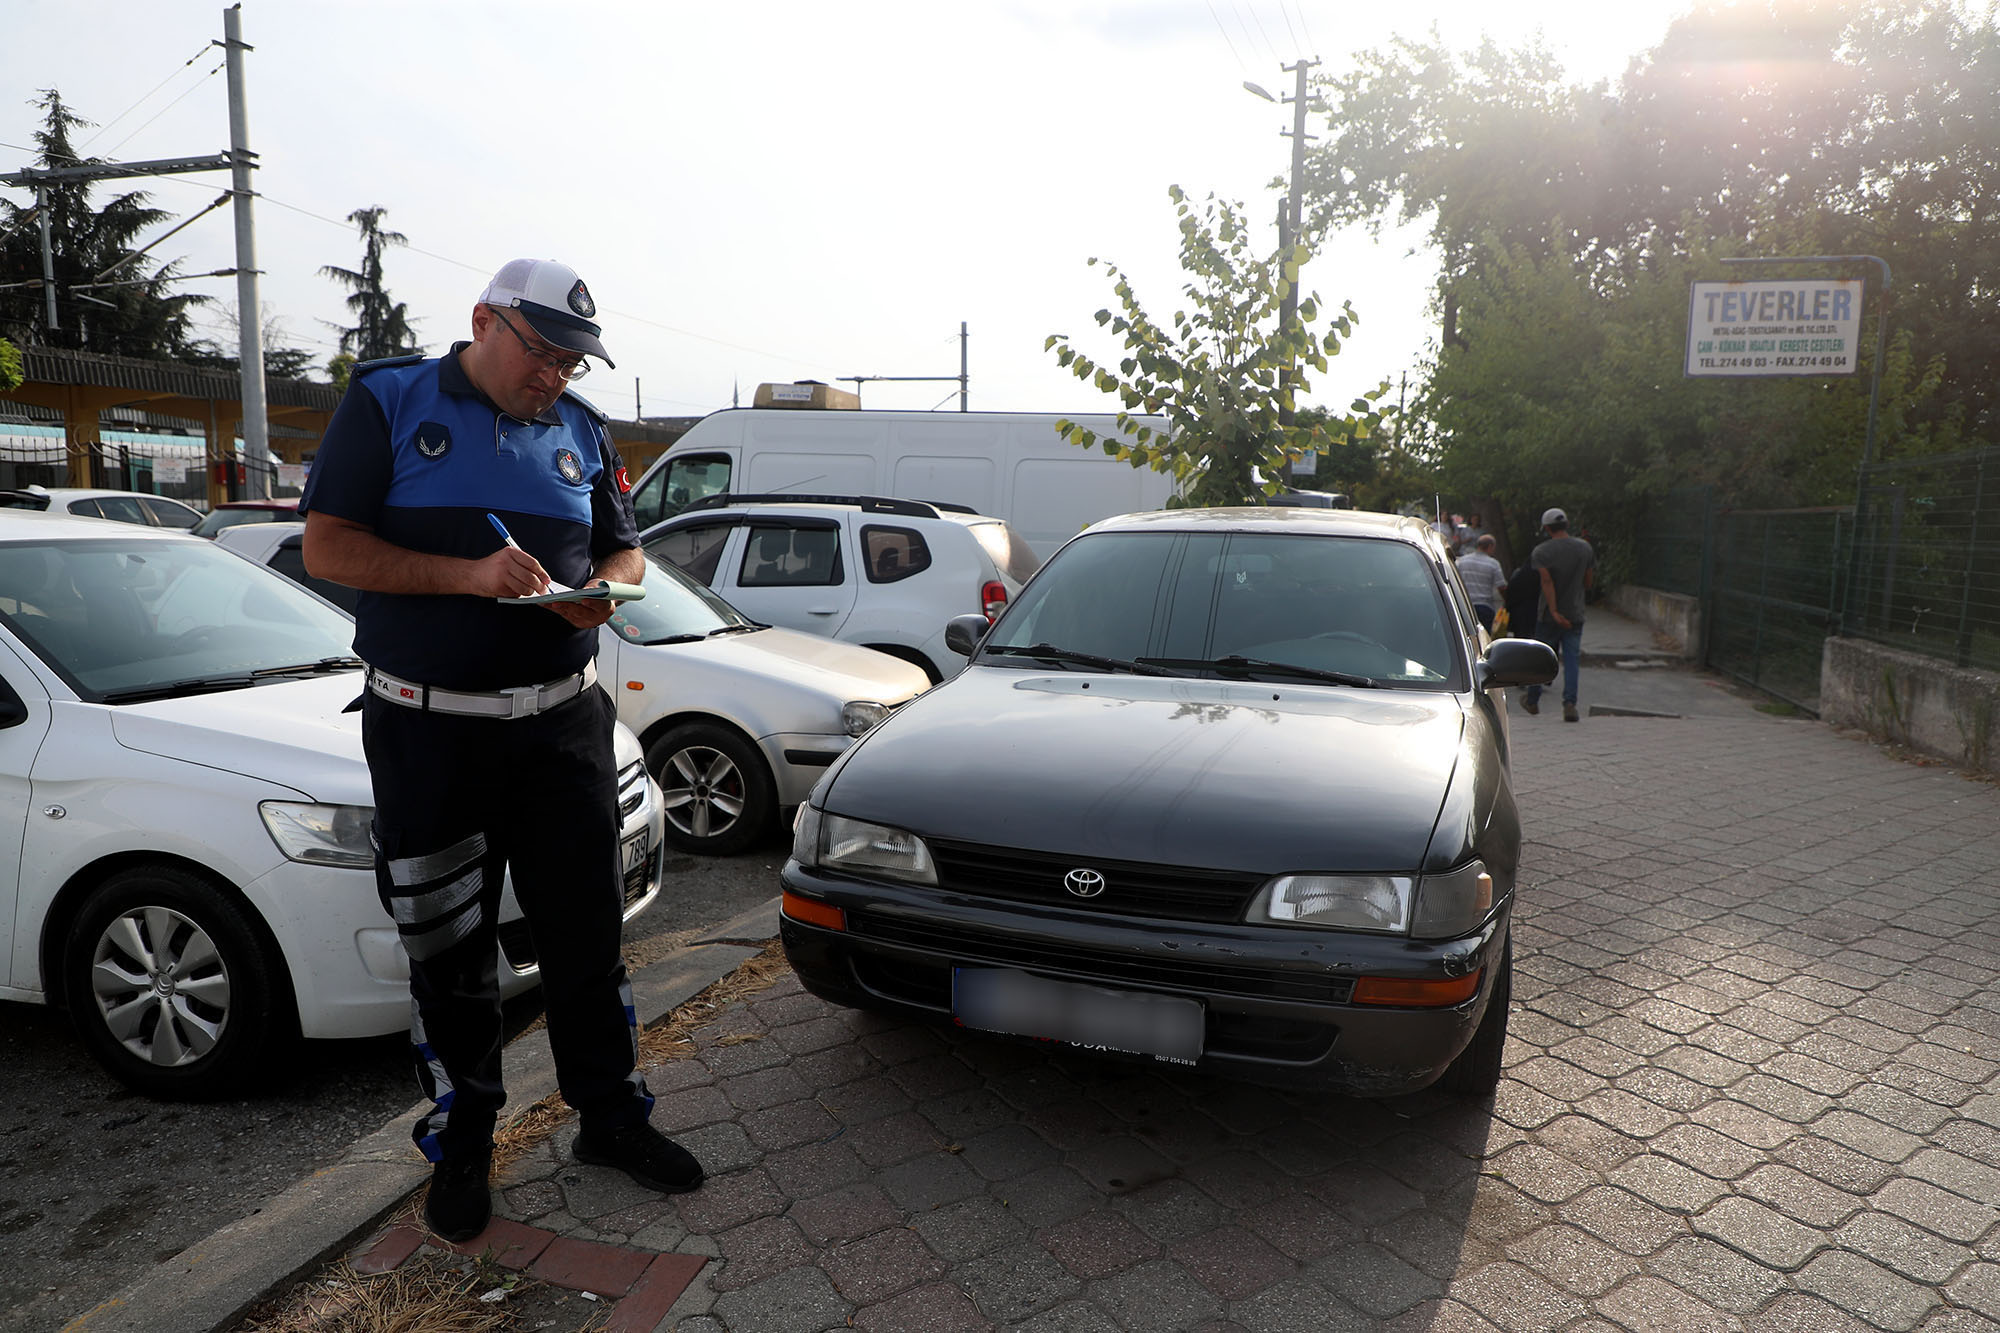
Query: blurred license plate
(1166, 1027)
(632, 861)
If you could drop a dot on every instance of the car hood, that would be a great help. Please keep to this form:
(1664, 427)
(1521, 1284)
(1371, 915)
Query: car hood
(292, 733)
(1265, 777)
(841, 671)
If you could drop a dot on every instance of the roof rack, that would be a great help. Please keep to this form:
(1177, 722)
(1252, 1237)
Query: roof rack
(867, 504)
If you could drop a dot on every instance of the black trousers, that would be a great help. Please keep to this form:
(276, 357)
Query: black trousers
(459, 801)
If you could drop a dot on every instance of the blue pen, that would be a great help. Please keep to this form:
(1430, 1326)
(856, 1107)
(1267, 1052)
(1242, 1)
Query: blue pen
(501, 528)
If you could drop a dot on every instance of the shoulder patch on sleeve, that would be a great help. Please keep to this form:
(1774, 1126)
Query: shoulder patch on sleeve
(597, 414)
(365, 367)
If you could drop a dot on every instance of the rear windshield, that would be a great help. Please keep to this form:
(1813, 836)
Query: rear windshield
(1014, 557)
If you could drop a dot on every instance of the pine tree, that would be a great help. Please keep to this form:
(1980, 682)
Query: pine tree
(145, 319)
(382, 326)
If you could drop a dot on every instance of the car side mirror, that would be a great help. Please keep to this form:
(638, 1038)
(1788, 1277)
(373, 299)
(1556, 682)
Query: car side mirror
(1517, 662)
(962, 634)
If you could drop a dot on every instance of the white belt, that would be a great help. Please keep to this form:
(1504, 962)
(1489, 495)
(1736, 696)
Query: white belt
(521, 701)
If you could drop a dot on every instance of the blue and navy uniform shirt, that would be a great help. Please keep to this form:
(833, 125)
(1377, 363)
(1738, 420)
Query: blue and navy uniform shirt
(420, 456)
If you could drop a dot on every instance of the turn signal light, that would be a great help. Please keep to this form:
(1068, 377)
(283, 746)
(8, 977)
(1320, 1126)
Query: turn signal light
(1411, 994)
(993, 599)
(812, 912)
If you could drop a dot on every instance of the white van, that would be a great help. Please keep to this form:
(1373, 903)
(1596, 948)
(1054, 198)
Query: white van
(1010, 465)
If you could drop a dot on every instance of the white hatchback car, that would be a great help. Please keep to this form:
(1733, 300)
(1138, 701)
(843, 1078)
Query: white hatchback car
(883, 573)
(185, 785)
(738, 720)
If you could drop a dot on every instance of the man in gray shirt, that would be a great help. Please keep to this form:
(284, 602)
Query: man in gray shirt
(1482, 576)
(1567, 567)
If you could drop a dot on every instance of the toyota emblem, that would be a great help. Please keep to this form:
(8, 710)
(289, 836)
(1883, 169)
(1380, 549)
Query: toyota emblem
(1084, 883)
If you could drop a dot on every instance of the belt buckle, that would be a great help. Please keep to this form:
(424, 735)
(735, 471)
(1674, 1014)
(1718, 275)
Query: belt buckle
(527, 701)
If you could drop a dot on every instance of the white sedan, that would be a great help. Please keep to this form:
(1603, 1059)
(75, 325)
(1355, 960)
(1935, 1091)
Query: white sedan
(185, 785)
(738, 720)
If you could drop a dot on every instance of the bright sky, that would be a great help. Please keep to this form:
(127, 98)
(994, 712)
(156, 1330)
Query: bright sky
(758, 191)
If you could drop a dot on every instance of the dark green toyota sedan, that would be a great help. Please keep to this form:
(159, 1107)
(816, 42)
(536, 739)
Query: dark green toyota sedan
(1224, 789)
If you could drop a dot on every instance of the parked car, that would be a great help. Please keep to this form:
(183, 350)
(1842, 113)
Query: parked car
(230, 513)
(1223, 788)
(738, 720)
(155, 511)
(185, 786)
(883, 573)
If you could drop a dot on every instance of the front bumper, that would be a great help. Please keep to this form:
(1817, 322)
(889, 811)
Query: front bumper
(1277, 1002)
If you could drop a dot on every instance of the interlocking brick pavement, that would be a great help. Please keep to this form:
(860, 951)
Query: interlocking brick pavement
(1753, 1083)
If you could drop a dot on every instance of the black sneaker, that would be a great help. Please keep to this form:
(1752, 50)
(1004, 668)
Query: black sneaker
(1569, 713)
(643, 1153)
(459, 1205)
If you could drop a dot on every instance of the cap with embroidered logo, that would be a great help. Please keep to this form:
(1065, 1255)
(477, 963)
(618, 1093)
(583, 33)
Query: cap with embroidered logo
(553, 300)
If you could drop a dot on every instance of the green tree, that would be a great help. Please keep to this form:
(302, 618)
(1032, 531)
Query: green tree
(91, 249)
(1570, 219)
(10, 366)
(1222, 373)
(381, 325)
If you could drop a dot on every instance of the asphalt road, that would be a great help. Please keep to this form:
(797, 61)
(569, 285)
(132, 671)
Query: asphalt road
(97, 1183)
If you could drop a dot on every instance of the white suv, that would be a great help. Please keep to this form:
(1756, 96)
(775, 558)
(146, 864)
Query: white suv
(886, 574)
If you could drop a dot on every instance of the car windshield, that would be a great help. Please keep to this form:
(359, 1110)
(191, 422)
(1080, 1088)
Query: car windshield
(675, 609)
(124, 619)
(1269, 606)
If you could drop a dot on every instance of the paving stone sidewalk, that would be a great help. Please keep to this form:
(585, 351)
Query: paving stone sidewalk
(1754, 1083)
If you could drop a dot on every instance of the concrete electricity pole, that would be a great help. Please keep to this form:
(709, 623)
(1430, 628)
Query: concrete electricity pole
(1289, 217)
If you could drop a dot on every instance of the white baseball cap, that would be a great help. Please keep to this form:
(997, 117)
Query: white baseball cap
(1551, 518)
(553, 300)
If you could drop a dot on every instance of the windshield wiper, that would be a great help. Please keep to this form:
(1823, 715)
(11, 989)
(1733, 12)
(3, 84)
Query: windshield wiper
(175, 689)
(1048, 652)
(1238, 665)
(324, 664)
(750, 628)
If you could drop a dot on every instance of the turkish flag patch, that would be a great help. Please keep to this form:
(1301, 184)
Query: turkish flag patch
(624, 480)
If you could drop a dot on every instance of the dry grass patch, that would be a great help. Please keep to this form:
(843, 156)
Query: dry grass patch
(430, 1293)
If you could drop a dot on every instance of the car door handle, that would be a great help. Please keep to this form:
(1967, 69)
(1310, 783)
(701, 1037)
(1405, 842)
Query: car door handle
(822, 610)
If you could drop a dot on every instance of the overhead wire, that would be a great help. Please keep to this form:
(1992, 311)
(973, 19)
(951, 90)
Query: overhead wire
(1223, 29)
(105, 128)
(1262, 36)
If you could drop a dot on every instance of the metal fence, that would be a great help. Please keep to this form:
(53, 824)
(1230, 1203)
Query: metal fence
(1772, 597)
(1926, 558)
(161, 467)
(1670, 552)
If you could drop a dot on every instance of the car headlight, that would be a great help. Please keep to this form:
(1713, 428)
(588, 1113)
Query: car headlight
(1452, 903)
(1339, 902)
(834, 842)
(321, 835)
(859, 715)
(1423, 907)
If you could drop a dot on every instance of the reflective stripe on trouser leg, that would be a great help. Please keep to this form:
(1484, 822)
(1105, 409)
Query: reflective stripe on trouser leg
(443, 903)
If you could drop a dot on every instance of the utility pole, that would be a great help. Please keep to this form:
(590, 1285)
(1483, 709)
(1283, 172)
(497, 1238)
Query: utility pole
(1290, 220)
(250, 313)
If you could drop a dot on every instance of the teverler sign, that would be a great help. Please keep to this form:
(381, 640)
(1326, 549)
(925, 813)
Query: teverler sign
(1801, 326)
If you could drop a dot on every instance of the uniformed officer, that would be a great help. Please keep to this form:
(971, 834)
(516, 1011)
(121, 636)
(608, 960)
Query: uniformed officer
(487, 743)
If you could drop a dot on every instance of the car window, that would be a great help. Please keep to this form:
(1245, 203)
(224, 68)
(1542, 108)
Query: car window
(23, 500)
(122, 509)
(290, 560)
(89, 509)
(1361, 605)
(674, 607)
(171, 513)
(1015, 558)
(788, 556)
(893, 553)
(679, 484)
(112, 615)
(696, 548)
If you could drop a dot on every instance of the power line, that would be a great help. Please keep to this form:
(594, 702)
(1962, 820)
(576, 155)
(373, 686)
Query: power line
(165, 109)
(1219, 27)
(105, 128)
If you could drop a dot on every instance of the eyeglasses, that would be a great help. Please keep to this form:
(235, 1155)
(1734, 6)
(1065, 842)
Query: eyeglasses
(569, 370)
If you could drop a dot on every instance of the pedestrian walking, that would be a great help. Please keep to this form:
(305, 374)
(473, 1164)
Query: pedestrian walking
(1483, 579)
(1566, 568)
(444, 486)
